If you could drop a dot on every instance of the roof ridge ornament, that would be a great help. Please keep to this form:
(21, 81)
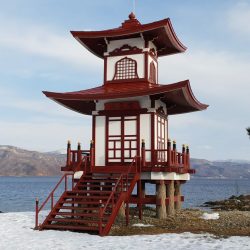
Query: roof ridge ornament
(131, 22)
(132, 16)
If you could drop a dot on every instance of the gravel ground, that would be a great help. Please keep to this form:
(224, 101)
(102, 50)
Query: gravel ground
(230, 223)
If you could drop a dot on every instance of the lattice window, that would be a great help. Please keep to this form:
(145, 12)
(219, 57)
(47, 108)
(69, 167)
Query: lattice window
(126, 68)
(152, 75)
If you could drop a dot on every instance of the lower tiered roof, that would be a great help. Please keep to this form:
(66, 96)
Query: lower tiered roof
(178, 96)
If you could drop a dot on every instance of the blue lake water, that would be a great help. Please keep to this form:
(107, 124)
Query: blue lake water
(19, 193)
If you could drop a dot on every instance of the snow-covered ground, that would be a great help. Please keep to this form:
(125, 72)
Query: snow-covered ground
(16, 232)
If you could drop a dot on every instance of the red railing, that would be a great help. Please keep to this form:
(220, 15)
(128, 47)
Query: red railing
(166, 157)
(122, 185)
(51, 196)
(75, 157)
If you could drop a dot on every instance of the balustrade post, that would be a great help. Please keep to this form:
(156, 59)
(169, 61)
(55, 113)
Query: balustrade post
(179, 159)
(174, 153)
(188, 157)
(79, 153)
(68, 153)
(169, 153)
(92, 157)
(183, 155)
(143, 153)
(100, 221)
(37, 211)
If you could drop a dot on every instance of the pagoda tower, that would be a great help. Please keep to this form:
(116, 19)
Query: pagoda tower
(130, 144)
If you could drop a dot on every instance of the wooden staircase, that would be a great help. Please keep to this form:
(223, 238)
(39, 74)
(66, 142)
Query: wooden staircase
(93, 203)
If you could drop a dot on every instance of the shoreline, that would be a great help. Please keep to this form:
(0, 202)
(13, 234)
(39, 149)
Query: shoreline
(229, 223)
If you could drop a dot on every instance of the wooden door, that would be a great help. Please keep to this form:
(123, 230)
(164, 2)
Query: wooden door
(121, 139)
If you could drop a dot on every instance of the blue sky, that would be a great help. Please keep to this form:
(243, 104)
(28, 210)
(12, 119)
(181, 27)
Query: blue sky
(37, 53)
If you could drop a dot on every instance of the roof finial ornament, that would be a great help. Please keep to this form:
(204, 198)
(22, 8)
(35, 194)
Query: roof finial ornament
(132, 14)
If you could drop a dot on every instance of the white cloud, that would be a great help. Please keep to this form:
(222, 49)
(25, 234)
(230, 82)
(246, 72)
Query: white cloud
(46, 107)
(239, 19)
(46, 136)
(42, 41)
(213, 74)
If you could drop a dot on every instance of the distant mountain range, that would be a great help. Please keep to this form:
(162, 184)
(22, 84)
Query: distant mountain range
(20, 162)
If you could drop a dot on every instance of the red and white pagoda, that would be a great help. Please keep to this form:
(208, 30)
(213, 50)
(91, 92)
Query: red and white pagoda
(130, 145)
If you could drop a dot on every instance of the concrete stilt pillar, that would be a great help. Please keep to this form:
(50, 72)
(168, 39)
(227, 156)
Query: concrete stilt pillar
(161, 196)
(143, 189)
(170, 195)
(177, 192)
(121, 213)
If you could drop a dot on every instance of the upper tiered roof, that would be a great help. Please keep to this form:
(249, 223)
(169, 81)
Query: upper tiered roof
(161, 33)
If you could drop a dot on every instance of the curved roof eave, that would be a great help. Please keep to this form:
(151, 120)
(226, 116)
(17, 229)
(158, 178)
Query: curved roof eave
(178, 96)
(80, 36)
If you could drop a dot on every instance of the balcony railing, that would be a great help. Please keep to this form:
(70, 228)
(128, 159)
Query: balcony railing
(169, 158)
(79, 160)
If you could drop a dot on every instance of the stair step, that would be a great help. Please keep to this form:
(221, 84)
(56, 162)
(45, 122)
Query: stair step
(87, 202)
(98, 181)
(88, 192)
(83, 197)
(91, 214)
(89, 185)
(68, 227)
(69, 220)
(78, 208)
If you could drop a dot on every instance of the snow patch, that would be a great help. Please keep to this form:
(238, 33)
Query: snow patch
(213, 216)
(16, 230)
(142, 225)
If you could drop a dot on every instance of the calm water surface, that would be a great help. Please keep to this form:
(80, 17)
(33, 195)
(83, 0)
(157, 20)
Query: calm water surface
(19, 193)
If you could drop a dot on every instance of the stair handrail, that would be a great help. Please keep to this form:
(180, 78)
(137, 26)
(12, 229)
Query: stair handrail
(119, 180)
(51, 196)
(134, 160)
(83, 160)
(103, 209)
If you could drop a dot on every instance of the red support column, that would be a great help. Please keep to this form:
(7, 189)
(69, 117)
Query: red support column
(79, 153)
(68, 153)
(174, 153)
(169, 153)
(139, 195)
(143, 153)
(183, 155)
(187, 158)
(92, 157)
(127, 212)
(36, 219)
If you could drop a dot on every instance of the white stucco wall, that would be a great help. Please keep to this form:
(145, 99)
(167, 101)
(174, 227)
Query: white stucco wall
(152, 46)
(100, 141)
(111, 61)
(145, 132)
(138, 42)
(164, 176)
(159, 104)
